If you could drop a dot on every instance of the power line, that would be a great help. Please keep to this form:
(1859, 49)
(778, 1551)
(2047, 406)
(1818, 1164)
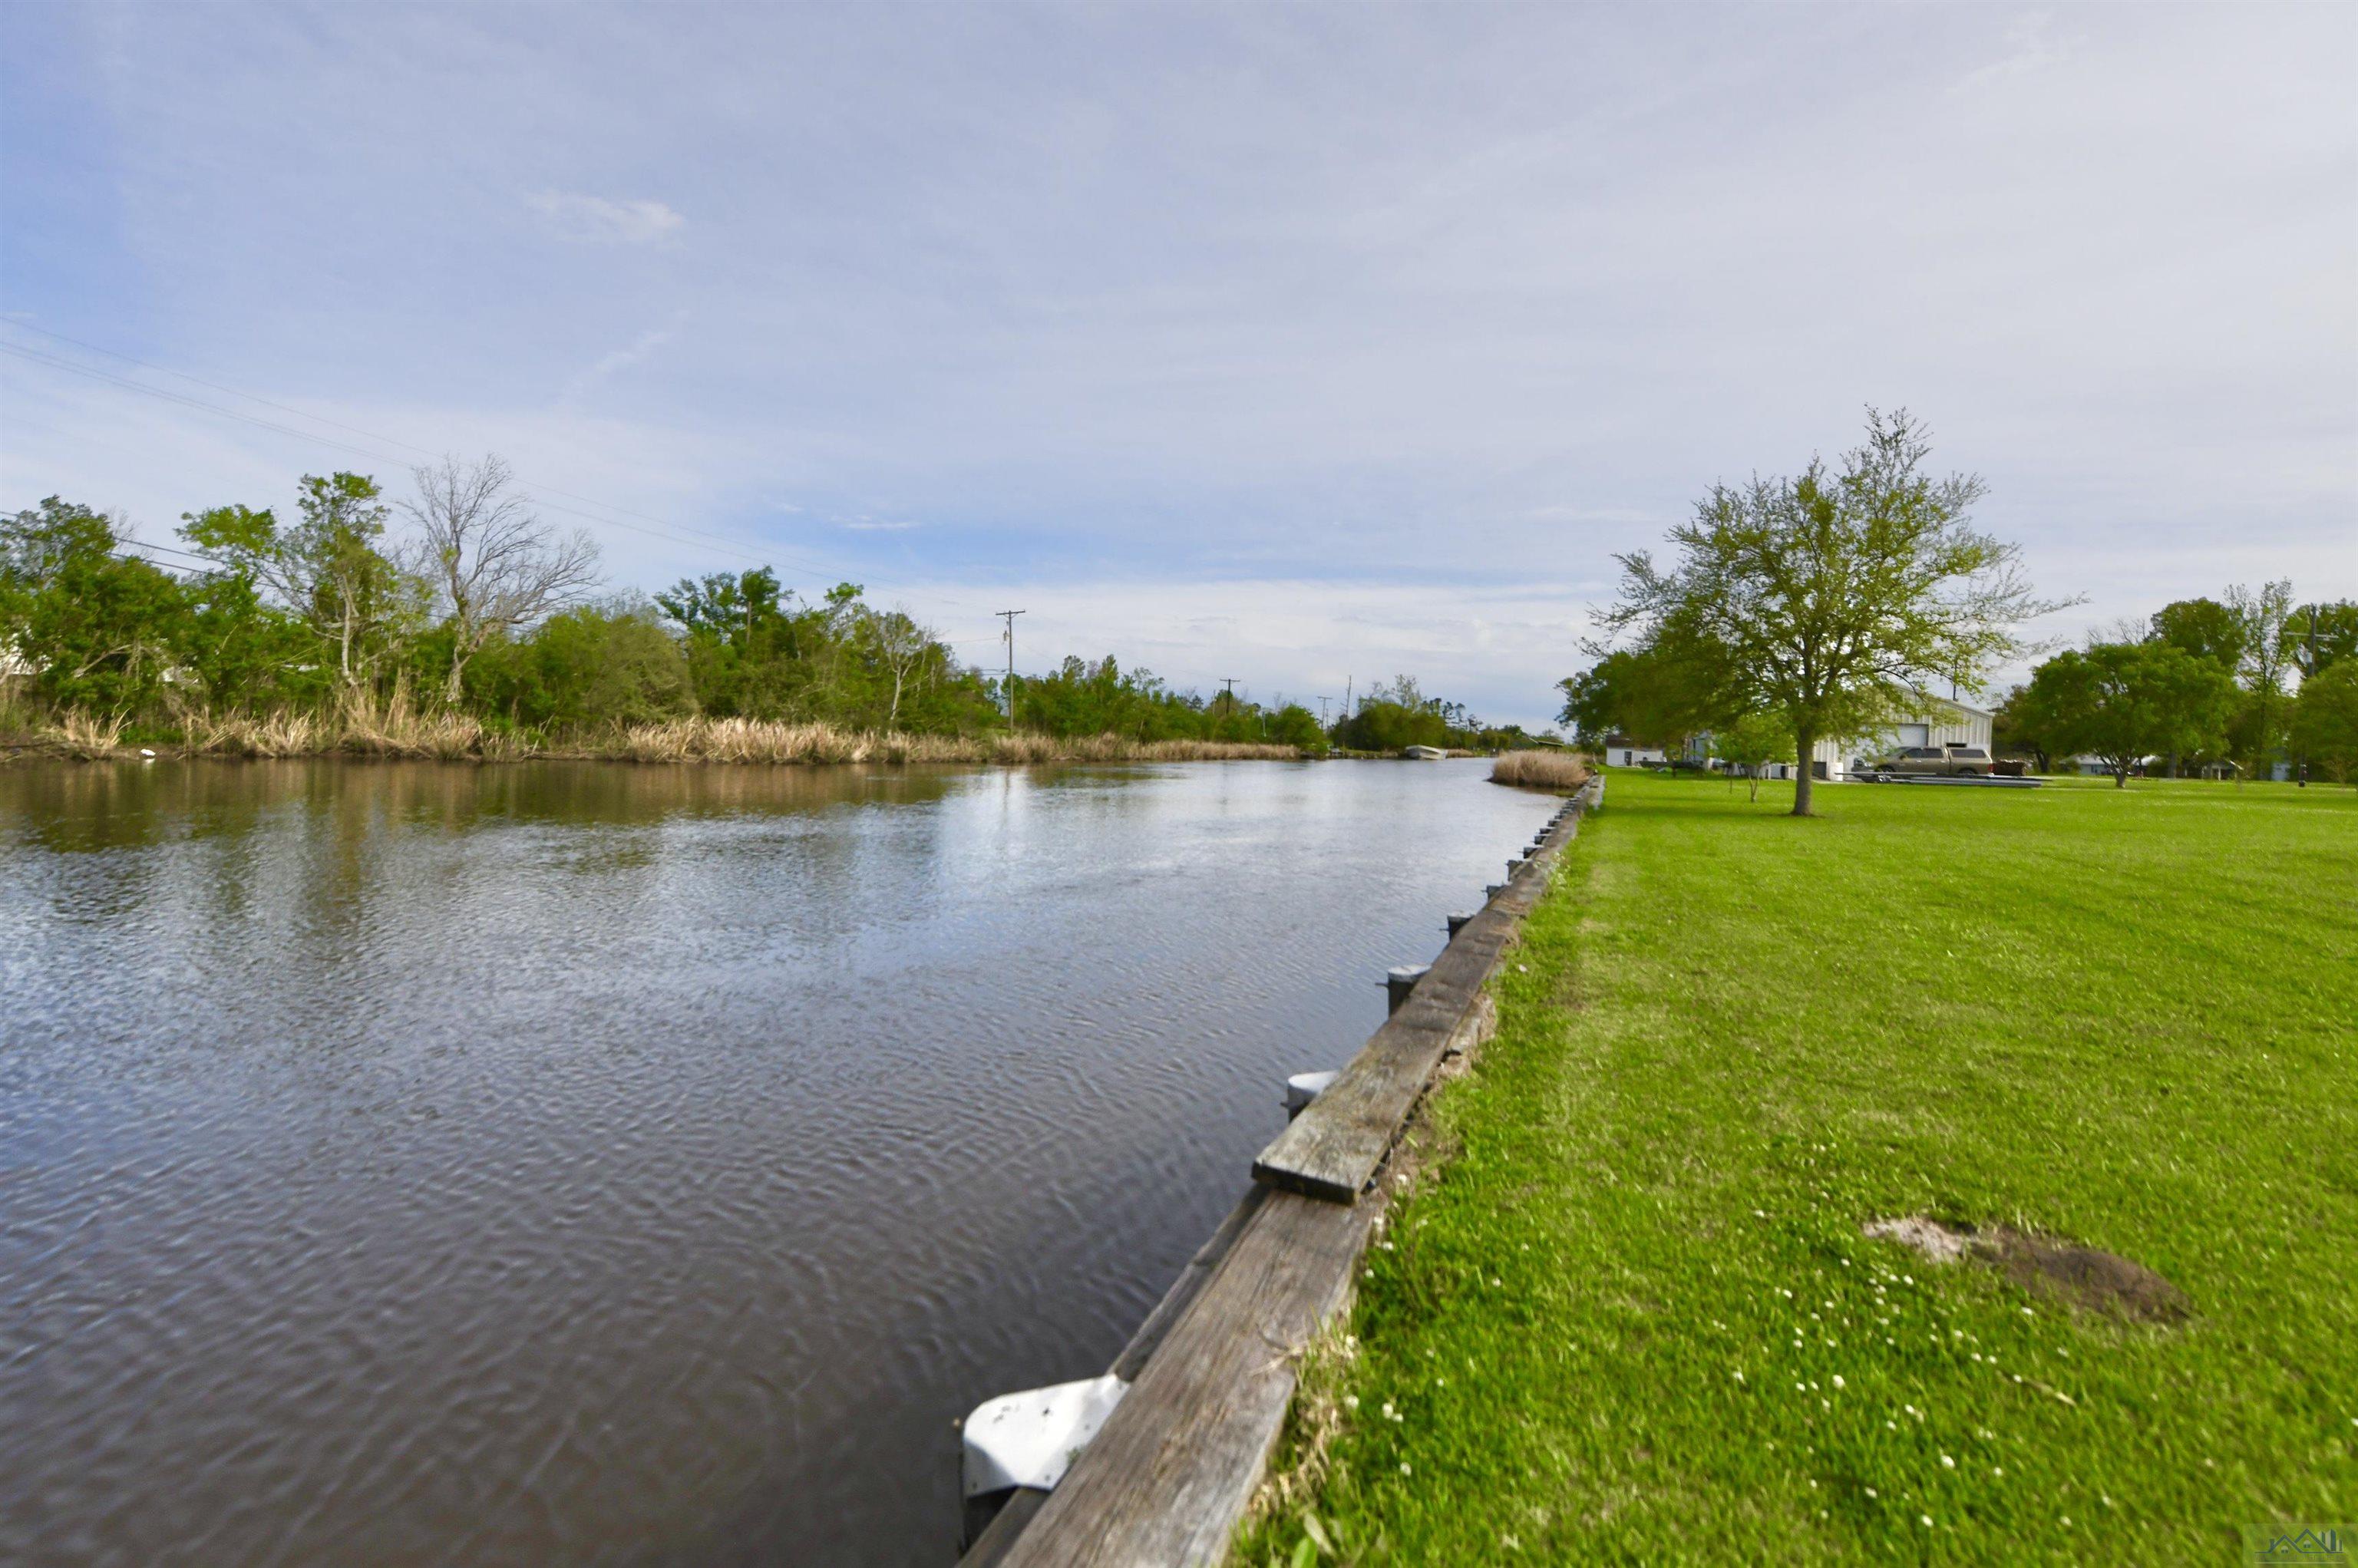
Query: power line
(522, 480)
(667, 531)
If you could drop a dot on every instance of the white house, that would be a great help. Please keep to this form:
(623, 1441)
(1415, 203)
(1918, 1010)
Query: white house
(1620, 752)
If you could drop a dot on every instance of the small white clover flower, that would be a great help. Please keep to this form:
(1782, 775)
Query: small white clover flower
(1838, 1382)
(1404, 1469)
(1927, 1519)
(1947, 1463)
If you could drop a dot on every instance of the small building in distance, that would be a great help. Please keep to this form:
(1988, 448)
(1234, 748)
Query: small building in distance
(1944, 722)
(1620, 752)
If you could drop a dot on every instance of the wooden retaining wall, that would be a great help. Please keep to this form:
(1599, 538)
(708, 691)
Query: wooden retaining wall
(1212, 1370)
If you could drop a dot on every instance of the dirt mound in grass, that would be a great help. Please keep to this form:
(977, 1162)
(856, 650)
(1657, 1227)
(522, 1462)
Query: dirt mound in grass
(2082, 1277)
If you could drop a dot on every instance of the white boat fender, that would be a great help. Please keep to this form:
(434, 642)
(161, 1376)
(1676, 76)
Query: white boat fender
(1303, 1087)
(1031, 1439)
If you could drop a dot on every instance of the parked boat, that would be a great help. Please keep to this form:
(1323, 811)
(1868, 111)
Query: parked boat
(1425, 754)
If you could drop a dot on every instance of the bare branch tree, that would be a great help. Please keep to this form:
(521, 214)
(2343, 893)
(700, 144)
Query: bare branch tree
(495, 562)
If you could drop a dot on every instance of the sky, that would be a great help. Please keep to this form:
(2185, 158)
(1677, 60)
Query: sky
(1304, 345)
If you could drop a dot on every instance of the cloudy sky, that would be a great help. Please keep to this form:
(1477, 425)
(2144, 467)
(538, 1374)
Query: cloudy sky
(1298, 344)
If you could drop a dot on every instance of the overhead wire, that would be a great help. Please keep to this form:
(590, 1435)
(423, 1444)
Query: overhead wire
(667, 531)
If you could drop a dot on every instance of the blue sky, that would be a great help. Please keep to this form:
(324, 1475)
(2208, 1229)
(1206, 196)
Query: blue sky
(1299, 345)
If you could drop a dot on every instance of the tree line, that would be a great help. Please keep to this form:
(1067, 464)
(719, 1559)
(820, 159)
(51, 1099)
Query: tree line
(1835, 602)
(2241, 681)
(456, 596)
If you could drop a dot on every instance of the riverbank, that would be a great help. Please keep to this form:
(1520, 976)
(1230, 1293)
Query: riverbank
(1636, 1314)
(461, 738)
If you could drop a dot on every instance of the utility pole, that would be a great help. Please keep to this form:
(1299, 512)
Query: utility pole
(2305, 676)
(1009, 616)
(1322, 713)
(1230, 682)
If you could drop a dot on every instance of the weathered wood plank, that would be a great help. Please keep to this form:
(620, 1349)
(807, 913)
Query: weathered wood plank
(999, 1535)
(998, 1538)
(1335, 1147)
(1186, 1288)
(1166, 1478)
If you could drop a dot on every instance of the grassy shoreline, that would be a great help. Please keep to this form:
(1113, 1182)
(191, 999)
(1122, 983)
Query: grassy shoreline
(461, 738)
(1634, 1318)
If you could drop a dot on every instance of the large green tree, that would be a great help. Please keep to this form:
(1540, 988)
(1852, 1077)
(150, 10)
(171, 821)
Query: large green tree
(2205, 628)
(2122, 702)
(2325, 721)
(333, 570)
(1657, 696)
(98, 629)
(2319, 637)
(2258, 729)
(1840, 598)
(245, 652)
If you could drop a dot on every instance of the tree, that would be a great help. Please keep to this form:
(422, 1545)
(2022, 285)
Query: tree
(329, 570)
(2259, 726)
(2203, 627)
(2319, 636)
(2325, 721)
(1294, 725)
(1752, 742)
(1651, 694)
(1394, 717)
(98, 630)
(1835, 598)
(2120, 702)
(496, 564)
(595, 665)
(902, 647)
(2010, 731)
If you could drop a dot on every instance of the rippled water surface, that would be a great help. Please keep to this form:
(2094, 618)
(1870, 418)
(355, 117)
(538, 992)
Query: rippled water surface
(565, 1162)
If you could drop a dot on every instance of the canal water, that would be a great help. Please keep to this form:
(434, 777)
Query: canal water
(575, 1162)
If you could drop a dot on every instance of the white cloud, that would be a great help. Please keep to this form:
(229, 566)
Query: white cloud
(601, 218)
(869, 525)
(2030, 46)
(621, 359)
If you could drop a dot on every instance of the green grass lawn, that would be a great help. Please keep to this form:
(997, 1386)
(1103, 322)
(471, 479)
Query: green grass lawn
(1632, 1318)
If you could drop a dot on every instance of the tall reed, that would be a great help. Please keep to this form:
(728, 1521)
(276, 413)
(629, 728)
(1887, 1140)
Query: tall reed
(1540, 770)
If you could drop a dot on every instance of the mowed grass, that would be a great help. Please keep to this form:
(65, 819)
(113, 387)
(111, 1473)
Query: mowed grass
(1633, 1319)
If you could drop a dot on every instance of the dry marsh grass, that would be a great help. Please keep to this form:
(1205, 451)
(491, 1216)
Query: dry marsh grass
(240, 735)
(760, 740)
(89, 736)
(1540, 770)
(396, 729)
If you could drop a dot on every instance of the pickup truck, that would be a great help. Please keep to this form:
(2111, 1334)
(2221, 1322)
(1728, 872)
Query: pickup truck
(1946, 762)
